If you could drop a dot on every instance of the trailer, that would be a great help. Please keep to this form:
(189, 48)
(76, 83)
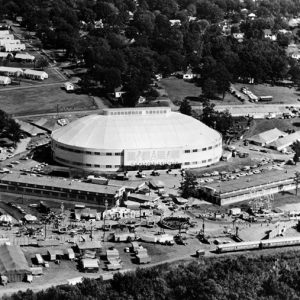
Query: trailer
(39, 259)
(124, 237)
(280, 242)
(149, 238)
(166, 239)
(231, 247)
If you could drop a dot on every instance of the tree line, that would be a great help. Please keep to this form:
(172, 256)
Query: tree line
(124, 43)
(260, 277)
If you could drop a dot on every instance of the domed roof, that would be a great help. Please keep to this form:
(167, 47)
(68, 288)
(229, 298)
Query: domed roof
(136, 128)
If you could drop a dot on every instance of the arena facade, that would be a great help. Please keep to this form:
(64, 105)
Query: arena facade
(134, 139)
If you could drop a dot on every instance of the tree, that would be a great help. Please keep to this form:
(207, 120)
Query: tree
(209, 88)
(185, 107)
(297, 181)
(189, 186)
(42, 62)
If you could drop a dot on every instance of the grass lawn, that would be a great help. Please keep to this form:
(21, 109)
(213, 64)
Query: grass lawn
(280, 94)
(42, 100)
(261, 125)
(178, 89)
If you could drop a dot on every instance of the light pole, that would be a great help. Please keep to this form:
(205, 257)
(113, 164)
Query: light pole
(104, 229)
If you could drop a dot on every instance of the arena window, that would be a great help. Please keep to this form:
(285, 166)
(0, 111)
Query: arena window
(195, 150)
(108, 154)
(204, 149)
(97, 153)
(209, 148)
(187, 163)
(187, 151)
(108, 166)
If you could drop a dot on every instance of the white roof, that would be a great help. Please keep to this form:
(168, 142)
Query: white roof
(90, 263)
(268, 136)
(10, 69)
(4, 54)
(137, 128)
(286, 141)
(4, 78)
(34, 72)
(24, 56)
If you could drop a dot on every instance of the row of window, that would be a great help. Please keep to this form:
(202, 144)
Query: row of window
(75, 163)
(201, 162)
(203, 149)
(137, 112)
(89, 152)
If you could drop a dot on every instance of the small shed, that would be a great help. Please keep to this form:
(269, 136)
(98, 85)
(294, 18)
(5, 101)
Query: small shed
(24, 57)
(69, 253)
(69, 86)
(89, 246)
(54, 254)
(112, 255)
(90, 265)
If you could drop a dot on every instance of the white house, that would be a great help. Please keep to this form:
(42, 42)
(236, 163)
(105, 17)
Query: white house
(4, 80)
(296, 56)
(13, 47)
(68, 86)
(252, 16)
(25, 57)
(188, 75)
(239, 36)
(4, 55)
(36, 75)
(269, 35)
(7, 37)
(175, 22)
(10, 71)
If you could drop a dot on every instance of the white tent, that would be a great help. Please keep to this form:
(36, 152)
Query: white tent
(5, 219)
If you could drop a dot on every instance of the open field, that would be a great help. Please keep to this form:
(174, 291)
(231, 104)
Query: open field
(43, 99)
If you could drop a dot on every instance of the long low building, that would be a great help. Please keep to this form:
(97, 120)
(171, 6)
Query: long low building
(61, 189)
(285, 142)
(267, 137)
(243, 188)
(136, 138)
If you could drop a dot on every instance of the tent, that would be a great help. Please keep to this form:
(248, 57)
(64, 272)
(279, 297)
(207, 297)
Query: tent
(5, 219)
(13, 263)
(267, 137)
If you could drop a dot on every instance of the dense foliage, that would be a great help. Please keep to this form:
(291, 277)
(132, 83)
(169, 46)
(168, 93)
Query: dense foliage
(238, 277)
(9, 128)
(124, 43)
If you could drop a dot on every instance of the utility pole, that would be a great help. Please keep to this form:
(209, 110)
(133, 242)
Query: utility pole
(104, 229)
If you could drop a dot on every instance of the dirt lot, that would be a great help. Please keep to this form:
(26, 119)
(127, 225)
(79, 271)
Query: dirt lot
(43, 100)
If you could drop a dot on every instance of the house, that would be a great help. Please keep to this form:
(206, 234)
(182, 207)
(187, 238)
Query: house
(98, 24)
(36, 75)
(189, 75)
(69, 86)
(90, 265)
(252, 16)
(10, 71)
(13, 263)
(4, 55)
(296, 55)
(175, 22)
(24, 57)
(286, 141)
(4, 32)
(269, 35)
(239, 36)
(118, 92)
(117, 213)
(69, 253)
(112, 255)
(4, 80)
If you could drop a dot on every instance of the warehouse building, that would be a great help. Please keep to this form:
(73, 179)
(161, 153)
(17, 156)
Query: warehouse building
(13, 263)
(136, 138)
(56, 188)
(10, 71)
(267, 137)
(243, 189)
(285, 142)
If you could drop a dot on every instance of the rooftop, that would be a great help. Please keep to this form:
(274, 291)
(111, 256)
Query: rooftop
(48, 182)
